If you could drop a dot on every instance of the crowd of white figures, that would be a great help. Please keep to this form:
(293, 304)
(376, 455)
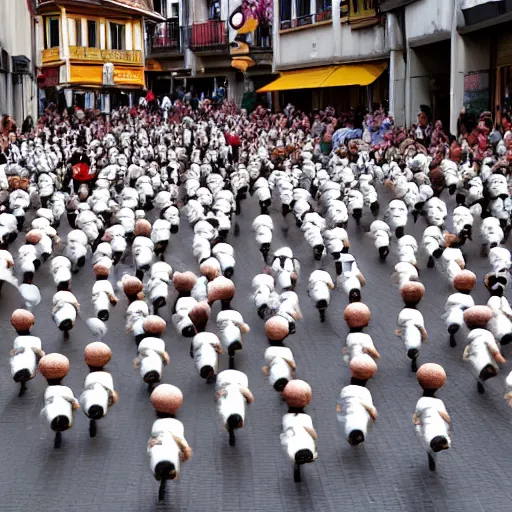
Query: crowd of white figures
(164, 168)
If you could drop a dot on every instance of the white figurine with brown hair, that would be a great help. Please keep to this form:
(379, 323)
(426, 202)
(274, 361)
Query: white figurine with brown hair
(280, 366)
(431, 419)
(411, 328)
(25, 355)
(231, 326)
(355, 410)
(59, 401)
(458, 302)
(205, 350)
(350, 279)
(151, 360)
(232, 395)
(98, 393)
(482, 351)
(319, 289)
(299, 436)
(167, 447)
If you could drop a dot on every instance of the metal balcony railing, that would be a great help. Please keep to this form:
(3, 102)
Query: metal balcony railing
(262, 38)
(307, 19)
(323, 16)
(166, 38)
(208, 36)
(97, 55)
(301, 21)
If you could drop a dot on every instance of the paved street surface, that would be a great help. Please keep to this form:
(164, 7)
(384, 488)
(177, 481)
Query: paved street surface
(388, 472)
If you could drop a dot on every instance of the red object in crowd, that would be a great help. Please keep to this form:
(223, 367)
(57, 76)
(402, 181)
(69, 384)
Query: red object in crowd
(232, 139)
(82, 172)
(150, 96)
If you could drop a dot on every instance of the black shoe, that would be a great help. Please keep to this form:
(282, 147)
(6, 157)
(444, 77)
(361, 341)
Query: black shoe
(95, 412)
(383, 253)
(22, 376)
(354, 296)
(151, 377)
(356, 437)
(206, 372)
(280, 384)
(60, 423)
(438, 444)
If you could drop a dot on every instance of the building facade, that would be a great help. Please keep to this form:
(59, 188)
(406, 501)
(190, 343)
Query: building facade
(442, 53)
(92, 52)
(18, 89)
(338, 49)
(210, 47)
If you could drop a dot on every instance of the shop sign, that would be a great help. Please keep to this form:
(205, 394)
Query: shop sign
(153, 65)
(476, 92)
(96, 75)
(49, 77)
(129, 76)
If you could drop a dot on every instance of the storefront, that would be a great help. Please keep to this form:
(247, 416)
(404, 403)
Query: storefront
(343, 86)
(503, 74)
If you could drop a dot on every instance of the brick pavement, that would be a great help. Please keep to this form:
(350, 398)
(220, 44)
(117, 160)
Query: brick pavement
(387, 473)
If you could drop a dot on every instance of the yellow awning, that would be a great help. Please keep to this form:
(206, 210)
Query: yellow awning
(363, 73)
(299, 79)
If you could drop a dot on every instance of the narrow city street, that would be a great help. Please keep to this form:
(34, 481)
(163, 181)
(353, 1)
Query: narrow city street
(388, 472)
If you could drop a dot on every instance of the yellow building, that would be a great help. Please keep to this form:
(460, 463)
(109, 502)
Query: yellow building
(92, 51)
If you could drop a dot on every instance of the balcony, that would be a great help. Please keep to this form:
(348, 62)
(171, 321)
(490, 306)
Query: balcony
(307, 19)
(51, 55)
(209, 36)
(166, 39)
(133, 57)
(262, 39)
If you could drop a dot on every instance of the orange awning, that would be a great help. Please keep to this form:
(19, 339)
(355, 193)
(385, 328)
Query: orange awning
(299, 79)
(363, 73)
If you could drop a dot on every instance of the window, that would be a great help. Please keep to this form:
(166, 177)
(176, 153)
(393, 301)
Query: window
(52, 33)
(299, 13)
(302, 8)
(286, 10)
(323, 5)
(157, 4)
(78, 33)
(362, 8)
(174, 6)
(213, 10)
(92, 34)
(323, 10)
(116, 36)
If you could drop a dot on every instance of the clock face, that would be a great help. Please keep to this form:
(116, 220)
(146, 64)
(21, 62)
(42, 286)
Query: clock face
(237, 19)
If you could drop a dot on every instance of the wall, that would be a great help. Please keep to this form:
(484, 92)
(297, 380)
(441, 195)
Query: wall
(477, 51)
(311, 46)
(428, 21)
(329, 43)
(200, 11)
(16, 38)
(15, 20)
